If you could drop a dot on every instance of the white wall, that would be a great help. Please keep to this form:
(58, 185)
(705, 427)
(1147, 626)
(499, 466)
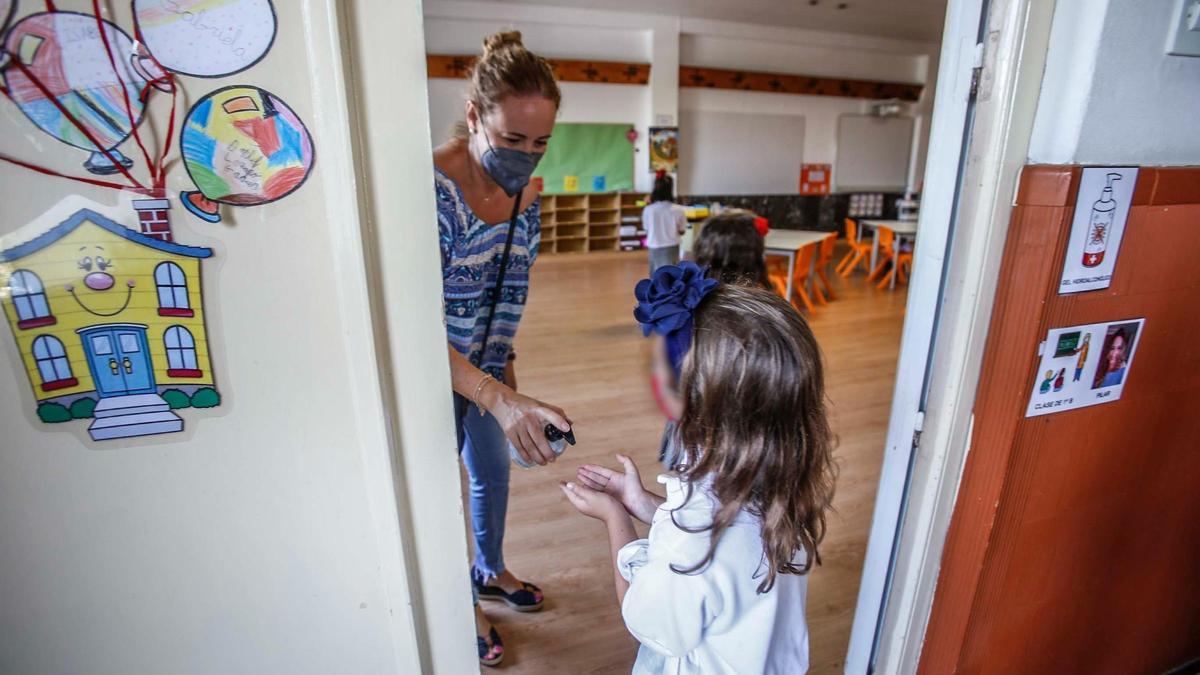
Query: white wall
(267, 537)
(458, 27)
(1110, 93)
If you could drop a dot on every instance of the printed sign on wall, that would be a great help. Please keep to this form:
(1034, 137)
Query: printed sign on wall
(1083, 366)
(814, 179)
(1101, 209)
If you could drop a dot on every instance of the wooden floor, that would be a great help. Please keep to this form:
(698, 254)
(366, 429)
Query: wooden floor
(580, 348)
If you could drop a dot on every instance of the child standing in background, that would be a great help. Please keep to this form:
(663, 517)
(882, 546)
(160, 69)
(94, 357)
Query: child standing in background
(719, 586)
(731, 246)
(664, 221)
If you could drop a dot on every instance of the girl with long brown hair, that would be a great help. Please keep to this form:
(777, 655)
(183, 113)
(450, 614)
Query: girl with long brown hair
(720, 585)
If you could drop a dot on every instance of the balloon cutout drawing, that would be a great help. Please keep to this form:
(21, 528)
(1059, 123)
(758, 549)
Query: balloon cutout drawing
(81, 85)
(206, 38)
(242, 146)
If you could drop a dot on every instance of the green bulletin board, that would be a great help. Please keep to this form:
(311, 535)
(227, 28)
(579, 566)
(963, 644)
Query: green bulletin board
(589, 157)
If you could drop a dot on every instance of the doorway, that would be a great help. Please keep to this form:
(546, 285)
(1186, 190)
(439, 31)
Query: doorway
(584, 354)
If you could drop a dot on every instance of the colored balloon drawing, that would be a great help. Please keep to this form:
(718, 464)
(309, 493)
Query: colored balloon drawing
(242, 146)
(64, 53)
(206, 38)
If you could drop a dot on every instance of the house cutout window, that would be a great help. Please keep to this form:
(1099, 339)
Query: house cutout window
(172, 290)
(181, 353)
(52, 363)
(29, 298)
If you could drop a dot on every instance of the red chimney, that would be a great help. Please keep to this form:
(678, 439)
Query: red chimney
(153, 217)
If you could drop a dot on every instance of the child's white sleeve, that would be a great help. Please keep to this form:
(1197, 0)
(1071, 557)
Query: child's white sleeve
(665, 610)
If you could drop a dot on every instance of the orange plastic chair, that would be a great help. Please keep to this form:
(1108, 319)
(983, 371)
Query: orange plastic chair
(897, 264)
(860, 251)
(887, 239)
(804, 260)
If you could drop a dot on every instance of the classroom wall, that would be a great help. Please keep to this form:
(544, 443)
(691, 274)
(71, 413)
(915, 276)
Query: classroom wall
(1111, 93)
(458, 27)
(271, 534)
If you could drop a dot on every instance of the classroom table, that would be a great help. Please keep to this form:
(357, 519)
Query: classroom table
(788, 243)
(903, 229)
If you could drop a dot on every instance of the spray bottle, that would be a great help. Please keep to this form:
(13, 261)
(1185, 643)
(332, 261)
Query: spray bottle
(1103, 212)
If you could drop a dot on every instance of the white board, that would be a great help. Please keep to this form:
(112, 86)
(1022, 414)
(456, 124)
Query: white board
(872, 153)
(730, 153)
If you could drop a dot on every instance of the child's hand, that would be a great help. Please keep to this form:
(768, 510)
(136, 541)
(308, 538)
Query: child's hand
(591, 502)
(625, 487)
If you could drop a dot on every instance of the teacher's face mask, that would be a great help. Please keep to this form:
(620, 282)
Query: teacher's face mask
(510, 168)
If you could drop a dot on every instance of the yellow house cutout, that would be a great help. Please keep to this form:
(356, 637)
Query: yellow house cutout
(109, 323)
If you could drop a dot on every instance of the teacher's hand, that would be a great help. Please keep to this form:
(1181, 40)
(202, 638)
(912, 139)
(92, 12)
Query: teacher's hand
(524, 421)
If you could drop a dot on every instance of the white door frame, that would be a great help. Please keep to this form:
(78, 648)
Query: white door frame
(946, 138)
(930, 427)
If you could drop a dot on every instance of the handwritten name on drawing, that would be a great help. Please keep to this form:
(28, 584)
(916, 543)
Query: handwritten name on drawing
(242, 164)
(228, 37)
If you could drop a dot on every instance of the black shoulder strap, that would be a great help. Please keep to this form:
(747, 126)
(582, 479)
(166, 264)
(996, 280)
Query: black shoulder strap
(494, 300)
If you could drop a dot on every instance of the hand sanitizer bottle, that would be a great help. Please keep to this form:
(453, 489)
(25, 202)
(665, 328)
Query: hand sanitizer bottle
(1099, 225)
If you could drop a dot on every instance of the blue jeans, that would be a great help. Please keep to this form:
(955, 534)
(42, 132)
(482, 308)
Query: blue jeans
(484, 450)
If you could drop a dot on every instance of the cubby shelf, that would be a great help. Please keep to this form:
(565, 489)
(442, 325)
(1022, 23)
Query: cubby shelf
(609, 221)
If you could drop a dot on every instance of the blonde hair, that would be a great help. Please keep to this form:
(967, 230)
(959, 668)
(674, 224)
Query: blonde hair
(505, 69)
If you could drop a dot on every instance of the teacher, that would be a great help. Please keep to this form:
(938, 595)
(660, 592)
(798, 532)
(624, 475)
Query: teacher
(489, 225)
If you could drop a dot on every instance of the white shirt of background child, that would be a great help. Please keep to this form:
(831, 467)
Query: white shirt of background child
(713, 621)
(663, 222)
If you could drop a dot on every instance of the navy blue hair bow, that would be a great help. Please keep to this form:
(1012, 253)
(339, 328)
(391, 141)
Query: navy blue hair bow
(667, 302)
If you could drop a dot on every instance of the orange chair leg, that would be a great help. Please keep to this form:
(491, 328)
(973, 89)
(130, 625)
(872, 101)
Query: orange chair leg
(808, 303)
(878, 269)
(825, 282)
(847, 270)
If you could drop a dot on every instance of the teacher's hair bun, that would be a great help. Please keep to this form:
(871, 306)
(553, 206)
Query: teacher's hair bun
(498, 41)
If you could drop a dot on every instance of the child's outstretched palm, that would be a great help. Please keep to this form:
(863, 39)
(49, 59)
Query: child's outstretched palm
(625, 487)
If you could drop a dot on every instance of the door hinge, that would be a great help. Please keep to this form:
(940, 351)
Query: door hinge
(918, 425)
(976, 71)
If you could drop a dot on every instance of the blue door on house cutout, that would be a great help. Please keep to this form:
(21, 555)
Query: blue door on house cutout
(119, 358)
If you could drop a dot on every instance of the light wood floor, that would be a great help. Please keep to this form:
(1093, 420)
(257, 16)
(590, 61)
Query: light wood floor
(580, 348)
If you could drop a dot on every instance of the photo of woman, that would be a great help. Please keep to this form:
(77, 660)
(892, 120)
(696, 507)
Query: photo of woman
(1118, 348)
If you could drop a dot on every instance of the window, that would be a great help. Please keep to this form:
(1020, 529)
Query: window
(29, 297)
(52, 363)
(172, 290)
(181, 353)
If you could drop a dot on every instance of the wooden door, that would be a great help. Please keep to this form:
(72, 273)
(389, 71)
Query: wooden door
(1075, 543)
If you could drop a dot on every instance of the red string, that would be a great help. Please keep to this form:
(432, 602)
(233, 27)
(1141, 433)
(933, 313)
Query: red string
(112, 61)
(50, 6)
(66, 113)
(51, 172)
(161, 181)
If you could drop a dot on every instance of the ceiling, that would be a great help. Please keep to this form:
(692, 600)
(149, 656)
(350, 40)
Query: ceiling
(904, 19)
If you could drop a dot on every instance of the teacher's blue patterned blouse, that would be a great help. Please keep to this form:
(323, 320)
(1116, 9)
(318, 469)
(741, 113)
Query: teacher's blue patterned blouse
(471, 253)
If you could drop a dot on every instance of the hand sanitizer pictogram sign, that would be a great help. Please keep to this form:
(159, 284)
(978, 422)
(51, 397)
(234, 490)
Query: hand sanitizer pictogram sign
(1101, 210)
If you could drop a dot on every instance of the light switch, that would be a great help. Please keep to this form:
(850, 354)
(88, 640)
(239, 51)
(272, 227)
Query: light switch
(1184, 38)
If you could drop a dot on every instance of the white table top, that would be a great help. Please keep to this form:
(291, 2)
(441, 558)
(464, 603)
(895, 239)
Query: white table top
(897, 226)
(792, 240)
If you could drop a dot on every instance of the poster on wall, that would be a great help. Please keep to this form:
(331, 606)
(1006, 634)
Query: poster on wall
(814, 179)
(1101, 210)
(1083, 366)
(664, 149)
(108, 320)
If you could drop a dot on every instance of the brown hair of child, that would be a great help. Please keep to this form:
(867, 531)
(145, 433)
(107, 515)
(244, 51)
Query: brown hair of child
(505, 69)
(730, 245)
(754, 421)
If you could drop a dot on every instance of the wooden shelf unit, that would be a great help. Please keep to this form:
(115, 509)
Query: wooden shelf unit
(592, 222)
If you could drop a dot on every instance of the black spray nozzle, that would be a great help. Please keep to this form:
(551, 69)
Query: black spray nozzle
(553, 434)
